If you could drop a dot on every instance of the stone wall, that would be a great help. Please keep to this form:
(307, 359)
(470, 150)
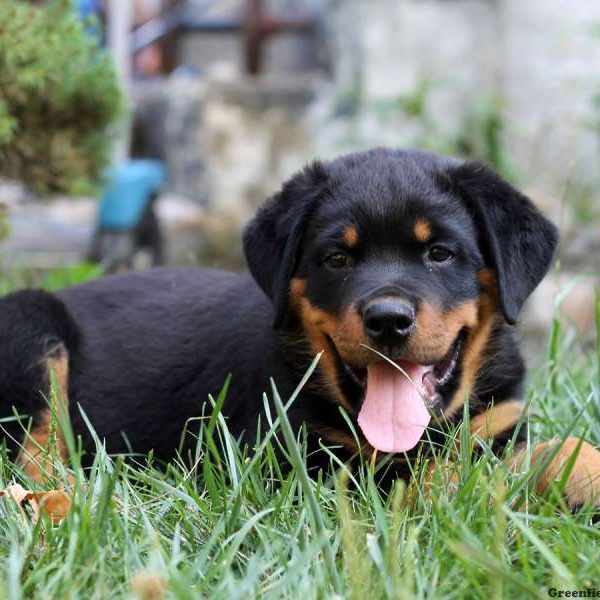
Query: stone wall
(255, 136)
(536, 57)
(535, 60)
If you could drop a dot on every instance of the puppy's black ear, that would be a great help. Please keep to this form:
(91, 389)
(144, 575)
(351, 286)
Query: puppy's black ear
(517, 241)
(273, 237)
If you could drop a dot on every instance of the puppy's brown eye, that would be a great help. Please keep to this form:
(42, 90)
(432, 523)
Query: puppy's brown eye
(337, 261)
(440, 254)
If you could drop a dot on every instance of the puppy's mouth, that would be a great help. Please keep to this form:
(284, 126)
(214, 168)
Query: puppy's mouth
(399, 395)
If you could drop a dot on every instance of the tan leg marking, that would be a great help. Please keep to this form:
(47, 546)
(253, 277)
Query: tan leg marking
(46, 435)
(583, 485)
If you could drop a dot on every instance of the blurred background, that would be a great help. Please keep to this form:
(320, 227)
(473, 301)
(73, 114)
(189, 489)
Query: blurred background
(144, 132)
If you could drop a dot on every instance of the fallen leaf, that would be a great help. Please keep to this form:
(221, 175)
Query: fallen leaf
(18, 493)
(54, 503)
(21, 496)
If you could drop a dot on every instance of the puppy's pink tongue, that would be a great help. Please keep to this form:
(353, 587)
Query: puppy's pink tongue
(393, 416)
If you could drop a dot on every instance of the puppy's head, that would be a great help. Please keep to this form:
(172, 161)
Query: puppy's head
(393, 259)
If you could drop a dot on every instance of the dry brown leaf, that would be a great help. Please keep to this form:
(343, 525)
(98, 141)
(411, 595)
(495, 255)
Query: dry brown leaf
(18, 493)
(54, 503)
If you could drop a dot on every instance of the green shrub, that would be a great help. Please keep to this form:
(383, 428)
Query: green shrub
(58, 96)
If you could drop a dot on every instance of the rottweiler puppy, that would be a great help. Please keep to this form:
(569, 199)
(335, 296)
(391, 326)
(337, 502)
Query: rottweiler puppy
(407, 270)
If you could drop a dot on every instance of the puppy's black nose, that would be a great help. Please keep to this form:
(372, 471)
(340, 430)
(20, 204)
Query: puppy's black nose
(389, 321)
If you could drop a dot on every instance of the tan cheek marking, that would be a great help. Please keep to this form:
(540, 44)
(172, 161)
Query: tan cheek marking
(583, 484)
(350, 236)
(297, 291)
(497, 419)
(430, 337)
(315, 324)
(486, 278)
(422, 230)
(350, 339)
(473, 355)
(428, 317)
(464, 315)
(46, 434)
(437, 330)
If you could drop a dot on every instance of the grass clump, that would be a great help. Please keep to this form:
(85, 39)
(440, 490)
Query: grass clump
(232, 522)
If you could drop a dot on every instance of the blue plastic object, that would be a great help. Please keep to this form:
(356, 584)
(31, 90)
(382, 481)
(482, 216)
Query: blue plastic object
(129, 189)
(89, 7)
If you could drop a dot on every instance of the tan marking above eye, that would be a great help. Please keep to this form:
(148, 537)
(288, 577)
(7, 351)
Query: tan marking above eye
(422, 230)
(350, 236)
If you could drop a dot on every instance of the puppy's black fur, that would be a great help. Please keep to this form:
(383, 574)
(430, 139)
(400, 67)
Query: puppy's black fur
(449, 243)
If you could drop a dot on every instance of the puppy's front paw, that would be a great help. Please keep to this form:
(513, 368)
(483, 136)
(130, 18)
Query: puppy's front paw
(583, 484)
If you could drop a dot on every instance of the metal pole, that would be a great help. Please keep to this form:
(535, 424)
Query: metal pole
(119, 21)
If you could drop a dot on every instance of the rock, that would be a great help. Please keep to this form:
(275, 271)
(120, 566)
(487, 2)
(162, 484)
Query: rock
(570, 296)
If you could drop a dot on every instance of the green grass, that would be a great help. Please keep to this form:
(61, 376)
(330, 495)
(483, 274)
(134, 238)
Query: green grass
(50, 279)
(232, 523)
